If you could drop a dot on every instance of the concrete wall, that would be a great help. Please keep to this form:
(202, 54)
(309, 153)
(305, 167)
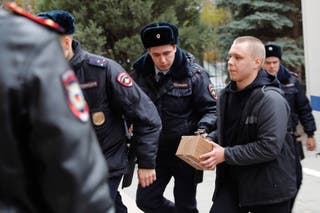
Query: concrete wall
(311, 34)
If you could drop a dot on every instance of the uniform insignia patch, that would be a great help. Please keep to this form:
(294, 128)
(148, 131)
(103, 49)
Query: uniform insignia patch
(98, 118)
(212, 91)
(124, 79)
(180, 85)
(74, 96)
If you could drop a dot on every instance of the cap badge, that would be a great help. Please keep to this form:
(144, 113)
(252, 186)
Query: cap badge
(270, 48)
(98, 118)
(158, 36)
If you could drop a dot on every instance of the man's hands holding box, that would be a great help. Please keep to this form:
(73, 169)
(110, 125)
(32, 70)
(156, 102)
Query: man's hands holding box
(199, 152)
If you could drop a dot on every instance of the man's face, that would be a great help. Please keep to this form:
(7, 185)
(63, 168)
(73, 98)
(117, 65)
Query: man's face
(242, 66)
(272, 65)
(163, 56)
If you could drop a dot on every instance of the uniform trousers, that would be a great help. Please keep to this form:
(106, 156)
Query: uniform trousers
(114, 183)
(151, 200)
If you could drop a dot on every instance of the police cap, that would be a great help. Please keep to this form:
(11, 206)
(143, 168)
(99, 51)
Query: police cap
(157, 34)
(273, 50)
(63, 18)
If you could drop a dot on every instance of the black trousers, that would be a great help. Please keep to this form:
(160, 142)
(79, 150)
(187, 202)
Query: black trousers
(299, 157)
(226, 201)
(151, 199)
(114, 183)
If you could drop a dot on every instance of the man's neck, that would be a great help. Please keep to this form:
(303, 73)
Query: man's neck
(70, 54)
(245, 82)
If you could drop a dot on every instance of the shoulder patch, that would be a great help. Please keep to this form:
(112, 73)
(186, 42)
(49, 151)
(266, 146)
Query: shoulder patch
(212, 91)
(44, 22)
(97, 61)
(74, 96)
(124, 79)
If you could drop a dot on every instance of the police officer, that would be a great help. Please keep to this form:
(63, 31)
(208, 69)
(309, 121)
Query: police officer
(186, 102)
(111, 94)
(49, 154)
(298, 101)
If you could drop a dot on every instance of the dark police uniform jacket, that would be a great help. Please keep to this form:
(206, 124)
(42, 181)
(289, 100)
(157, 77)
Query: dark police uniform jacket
(50, 160)
(298, 101)
(259, 155)
(112, 94)
(185, 100)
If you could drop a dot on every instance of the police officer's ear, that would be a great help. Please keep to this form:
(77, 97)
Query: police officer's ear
(66, 43)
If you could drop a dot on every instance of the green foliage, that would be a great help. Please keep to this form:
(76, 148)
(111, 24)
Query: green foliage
(271, 20)
(200, 40)
(259, 20)
(112, 27)
(129, 48)
(213, 16)
(293, 55)
(94, 44)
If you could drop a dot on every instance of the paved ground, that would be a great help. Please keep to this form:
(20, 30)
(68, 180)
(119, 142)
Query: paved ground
(307, 201)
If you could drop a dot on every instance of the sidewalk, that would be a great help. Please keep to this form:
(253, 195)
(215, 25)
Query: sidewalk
(307, 200)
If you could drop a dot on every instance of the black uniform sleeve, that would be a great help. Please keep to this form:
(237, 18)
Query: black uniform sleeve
(204, 101)
(304, 110)
(71, 169)
(140, 111)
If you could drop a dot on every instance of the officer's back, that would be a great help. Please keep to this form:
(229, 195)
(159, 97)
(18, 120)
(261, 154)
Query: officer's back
(44, 163)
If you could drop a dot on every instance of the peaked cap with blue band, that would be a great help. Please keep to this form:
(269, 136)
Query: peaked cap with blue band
(157, 34)
(63, 18)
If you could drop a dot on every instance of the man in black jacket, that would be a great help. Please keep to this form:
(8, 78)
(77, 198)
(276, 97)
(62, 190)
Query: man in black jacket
(49, 154)
(113, 99)
(186, 102)
(300, 106)
(255, 155)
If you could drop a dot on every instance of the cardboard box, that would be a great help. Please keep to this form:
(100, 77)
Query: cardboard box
(190, 149)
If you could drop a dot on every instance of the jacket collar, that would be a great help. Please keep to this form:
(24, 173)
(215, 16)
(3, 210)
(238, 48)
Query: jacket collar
(144, 65)
(283, 74)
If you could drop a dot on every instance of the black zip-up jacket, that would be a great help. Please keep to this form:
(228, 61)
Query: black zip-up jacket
(298, 101)
(183, 100)
(259, 151)
(111, 95)
(50, 159)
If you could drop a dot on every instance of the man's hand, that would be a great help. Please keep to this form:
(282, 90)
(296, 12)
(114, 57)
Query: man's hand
(201, 132)
(146, 176)
(311, 143)
(212, 158)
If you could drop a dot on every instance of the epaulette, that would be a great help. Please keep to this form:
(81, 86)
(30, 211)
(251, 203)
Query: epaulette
(197, 68)
(295, 75)
(190, 57)
(44, 22)
(97, 61)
